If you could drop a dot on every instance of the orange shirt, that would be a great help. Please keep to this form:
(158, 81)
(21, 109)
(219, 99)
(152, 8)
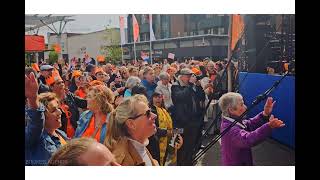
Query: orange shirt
(62, 141)
(80, 92)
(90, 129)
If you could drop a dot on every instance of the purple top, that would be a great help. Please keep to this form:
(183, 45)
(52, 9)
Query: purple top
(236, 144)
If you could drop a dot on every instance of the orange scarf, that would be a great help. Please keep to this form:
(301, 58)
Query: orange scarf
(70, 129)
(62, 141)
(89, 132)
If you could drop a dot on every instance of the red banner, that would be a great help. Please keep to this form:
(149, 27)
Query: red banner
(34, 43)
(135, 29)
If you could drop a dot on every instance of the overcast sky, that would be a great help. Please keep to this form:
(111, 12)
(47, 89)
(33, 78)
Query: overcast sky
(84, 23)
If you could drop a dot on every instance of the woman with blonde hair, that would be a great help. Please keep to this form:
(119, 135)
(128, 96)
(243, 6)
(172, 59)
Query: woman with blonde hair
(93, 122)
(130, 126)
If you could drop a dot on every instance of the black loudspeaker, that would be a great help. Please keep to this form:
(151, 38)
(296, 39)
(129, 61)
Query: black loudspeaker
(257, 46)
(250, 48)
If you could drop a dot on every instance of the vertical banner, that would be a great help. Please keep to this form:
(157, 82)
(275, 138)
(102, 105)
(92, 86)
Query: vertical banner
(152, 37)
(237, 29)
(122, 33)
(135, 28)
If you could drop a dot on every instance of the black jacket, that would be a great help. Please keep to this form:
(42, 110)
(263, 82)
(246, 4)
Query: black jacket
(188, 105)
(74, 103)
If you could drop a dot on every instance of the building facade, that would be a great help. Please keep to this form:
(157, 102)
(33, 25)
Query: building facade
(183, 35)
(77, 45)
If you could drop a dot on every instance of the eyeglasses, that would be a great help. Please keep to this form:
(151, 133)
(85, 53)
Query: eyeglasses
(101, 74)
(147, 113)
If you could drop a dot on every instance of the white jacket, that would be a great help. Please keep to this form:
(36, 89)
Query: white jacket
(166, 91)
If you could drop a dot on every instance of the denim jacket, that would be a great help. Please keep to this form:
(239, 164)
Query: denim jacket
(39, 145)
(83, 124)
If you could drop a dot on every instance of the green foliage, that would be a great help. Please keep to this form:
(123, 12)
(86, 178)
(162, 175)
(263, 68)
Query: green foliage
(112, 51)
(113, 54)
(53, 57)
(29, 58)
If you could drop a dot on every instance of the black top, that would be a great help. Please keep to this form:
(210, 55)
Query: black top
(74, 102)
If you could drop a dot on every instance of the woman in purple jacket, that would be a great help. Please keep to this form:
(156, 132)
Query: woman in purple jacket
(236, 144)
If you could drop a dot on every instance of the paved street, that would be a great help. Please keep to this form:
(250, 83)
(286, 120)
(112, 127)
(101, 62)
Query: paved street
(268, 153)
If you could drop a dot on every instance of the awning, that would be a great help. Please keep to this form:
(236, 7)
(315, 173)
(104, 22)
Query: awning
(34, 43)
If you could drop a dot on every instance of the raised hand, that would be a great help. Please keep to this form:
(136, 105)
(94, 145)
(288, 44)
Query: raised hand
(268, 106)
(179, 143)
(31, 89)
(275, 122)
(31, 86)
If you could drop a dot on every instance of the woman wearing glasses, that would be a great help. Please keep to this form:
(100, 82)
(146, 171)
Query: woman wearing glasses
(130, 126)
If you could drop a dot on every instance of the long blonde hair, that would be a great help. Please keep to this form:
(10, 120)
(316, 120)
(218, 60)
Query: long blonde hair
(104, 97)
(116, 127)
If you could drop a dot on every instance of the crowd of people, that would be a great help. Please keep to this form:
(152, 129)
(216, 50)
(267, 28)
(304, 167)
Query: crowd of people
(87, 113)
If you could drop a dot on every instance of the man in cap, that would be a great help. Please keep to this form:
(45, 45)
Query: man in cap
(45, 72)
(188, 99)
(102, 76)
(69, 105)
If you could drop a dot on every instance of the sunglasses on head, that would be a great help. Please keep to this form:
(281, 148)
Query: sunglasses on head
(147, 113)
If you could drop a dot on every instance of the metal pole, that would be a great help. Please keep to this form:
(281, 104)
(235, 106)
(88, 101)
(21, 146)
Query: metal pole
(229, 54)
(59, 43)
(150, 52)
(150, 28)
(134, 49)
(122, 53)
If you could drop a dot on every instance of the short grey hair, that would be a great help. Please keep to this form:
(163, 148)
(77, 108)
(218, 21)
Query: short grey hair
(210, 63)
(229, 100)
(163, 75)
(132, 81)
(182, 65)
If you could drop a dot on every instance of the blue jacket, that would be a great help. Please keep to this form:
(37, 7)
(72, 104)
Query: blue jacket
(127, 93)
(150, 87)
(39, 145)
(84, 122)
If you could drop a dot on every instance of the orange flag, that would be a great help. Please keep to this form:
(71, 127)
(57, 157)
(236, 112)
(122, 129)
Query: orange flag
(56, 48)
(237, 29)
(135, 28)
(100, 58)
(35, 67)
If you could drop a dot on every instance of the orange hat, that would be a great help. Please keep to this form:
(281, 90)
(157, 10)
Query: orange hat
(98, 70)
(76, 73)
(95, 83)
(100, 58)
(53, 78)
(196, 71)
(35, 67)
